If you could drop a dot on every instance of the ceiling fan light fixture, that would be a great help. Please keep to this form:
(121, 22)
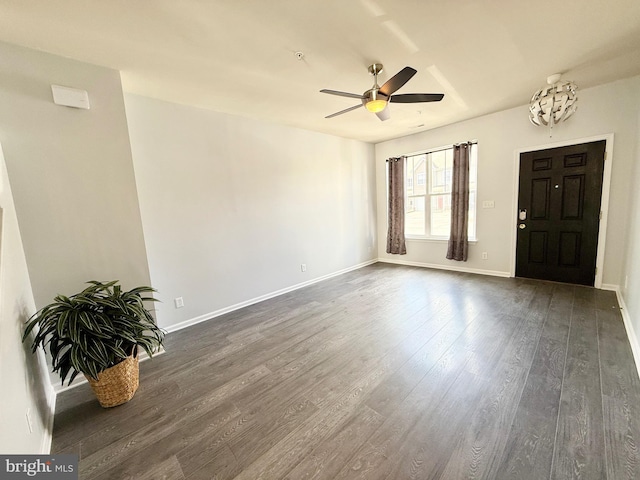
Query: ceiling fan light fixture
(375, 106)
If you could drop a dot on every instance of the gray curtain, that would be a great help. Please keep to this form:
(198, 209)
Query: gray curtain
(395, 233)
(458, 238)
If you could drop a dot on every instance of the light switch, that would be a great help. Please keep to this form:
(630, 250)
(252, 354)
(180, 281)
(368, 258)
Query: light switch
(488, 204)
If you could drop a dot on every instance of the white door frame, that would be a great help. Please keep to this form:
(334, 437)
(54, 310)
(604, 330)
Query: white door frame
(604, 204)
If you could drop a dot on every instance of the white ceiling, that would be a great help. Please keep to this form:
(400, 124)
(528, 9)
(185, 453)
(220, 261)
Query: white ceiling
(238, 56)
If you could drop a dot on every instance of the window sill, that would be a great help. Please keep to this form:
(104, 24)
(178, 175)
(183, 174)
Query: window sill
(472, 241)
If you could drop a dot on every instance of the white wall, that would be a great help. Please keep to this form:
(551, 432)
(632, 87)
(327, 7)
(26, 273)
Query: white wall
(23, 376)
(611, 108)
(72, 174)
(232, 207)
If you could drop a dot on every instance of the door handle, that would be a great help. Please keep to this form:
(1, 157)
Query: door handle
(522, 226)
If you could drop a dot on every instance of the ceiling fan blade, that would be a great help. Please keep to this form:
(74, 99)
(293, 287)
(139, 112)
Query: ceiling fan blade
(343, 111)
(397, 81)
(416, 97)
(384, 114)
(341, 94)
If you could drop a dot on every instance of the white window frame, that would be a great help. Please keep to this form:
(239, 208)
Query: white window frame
(473, 206)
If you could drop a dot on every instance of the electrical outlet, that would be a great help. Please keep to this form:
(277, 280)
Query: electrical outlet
(303, 267)
(488, 204)
(485, 255)
(29, 421)
(179, 302)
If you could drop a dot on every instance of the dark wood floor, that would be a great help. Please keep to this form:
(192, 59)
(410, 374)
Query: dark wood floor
(387, 372)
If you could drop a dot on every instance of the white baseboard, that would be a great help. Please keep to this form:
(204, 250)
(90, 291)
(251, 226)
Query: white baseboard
(47, 416)
(47, 438)
(262, 298)
(453, 268)
(628, 325)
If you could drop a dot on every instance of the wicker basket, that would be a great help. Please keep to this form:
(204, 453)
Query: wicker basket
(118, 384)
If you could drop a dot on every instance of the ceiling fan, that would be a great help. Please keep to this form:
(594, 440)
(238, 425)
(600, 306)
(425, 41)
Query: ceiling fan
(376, 98)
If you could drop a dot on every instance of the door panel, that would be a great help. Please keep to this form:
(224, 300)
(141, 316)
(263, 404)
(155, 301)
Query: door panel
(540, 193)
(559, 196)
(572, 197)
(570, 249)
(538, 247)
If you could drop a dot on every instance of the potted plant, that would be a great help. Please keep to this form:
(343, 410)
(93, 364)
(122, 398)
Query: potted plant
(97, 332)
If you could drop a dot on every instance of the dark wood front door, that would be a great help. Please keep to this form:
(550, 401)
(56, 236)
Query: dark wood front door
(559, 213)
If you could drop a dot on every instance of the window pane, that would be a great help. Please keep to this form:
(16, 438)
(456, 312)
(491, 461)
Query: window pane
(414, 215)
(440, 171)
(473, 188)
(440, 215)
(416, 175)
(473, 169)
(414, 200)
(472, 215)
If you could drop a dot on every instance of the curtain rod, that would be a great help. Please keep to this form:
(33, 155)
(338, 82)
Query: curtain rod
(440, 149)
